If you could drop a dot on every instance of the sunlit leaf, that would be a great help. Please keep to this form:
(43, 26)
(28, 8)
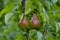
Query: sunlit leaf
(39, 35)
(7, 9)
(8, 17)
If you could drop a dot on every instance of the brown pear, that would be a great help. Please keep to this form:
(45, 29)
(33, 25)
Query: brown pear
(24, 23)
(35, 21)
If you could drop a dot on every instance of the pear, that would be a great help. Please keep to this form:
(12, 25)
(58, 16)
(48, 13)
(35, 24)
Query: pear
(34, 22)
(24, 23)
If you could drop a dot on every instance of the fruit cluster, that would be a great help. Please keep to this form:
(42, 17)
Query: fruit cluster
(34, 22)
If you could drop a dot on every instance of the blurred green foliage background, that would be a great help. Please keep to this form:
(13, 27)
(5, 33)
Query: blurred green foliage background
(48, 12)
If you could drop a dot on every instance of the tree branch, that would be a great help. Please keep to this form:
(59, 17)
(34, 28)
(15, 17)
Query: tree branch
(27, 35)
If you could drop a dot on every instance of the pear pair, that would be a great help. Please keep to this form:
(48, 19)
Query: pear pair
(34, 22)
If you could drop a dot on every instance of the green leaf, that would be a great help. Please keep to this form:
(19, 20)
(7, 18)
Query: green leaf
(54, 1)
(49, 36)
(37, 2)
(7, 9)
(19, 37)
(8, 17)
(58, 17)
(28, 6)
(39, 35)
